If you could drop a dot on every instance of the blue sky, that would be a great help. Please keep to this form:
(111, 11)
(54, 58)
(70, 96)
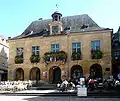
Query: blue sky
(16, 15)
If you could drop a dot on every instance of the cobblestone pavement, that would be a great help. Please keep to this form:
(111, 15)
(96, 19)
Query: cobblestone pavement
(39, 98)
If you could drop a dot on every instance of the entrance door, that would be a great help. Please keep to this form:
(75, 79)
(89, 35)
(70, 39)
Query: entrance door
(76, 73)
(19, 74)
(95, 71)
(35, 74)
(56, 74)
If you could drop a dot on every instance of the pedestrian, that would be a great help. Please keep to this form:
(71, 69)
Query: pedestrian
(118, 76)
(91, 84)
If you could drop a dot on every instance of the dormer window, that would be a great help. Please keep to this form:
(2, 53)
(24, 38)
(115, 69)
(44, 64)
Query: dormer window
(84, 26)
(67, 28)
(54, 29)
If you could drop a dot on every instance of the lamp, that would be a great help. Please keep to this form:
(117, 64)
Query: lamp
(116, 57)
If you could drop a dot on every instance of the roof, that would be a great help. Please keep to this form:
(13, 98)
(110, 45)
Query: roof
(116, 39)
(76, 23)
(116, 35)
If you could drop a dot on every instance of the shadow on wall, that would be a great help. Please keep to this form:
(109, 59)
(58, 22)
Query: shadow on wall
(3, 56)
(4, 63)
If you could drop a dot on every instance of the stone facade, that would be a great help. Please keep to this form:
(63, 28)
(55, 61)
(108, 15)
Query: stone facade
(4, 52)
(65, 42)
(79, 29)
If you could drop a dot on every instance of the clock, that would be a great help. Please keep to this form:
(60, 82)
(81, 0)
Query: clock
(54, 29)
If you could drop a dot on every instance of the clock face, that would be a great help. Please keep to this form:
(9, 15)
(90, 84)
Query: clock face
(54, 29)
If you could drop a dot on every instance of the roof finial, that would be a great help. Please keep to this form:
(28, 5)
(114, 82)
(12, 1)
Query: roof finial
(56, 7)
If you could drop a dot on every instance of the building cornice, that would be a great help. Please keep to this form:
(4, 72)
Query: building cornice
(72, 33)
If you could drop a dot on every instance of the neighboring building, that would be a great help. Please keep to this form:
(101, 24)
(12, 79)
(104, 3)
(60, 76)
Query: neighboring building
(4, 52)
(116, 53)
(61, 48)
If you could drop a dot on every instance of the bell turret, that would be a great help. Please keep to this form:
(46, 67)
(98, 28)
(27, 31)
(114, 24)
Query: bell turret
(56, 16)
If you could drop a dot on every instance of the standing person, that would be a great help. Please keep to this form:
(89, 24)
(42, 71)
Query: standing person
(64, 85)
(82, 81)
(76, 82)
(91, 84)
(118, 76)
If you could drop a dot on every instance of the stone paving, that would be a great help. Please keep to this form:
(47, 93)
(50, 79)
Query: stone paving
(56, 93)
(39, 98)
(34, 91)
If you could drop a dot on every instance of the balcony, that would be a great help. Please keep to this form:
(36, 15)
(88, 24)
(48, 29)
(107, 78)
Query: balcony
(55, 56)
(76, 56)
(19, 59)
(35, 58)
(96, 54)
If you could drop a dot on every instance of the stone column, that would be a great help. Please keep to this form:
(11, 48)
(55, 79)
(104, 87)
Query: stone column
(26, 73)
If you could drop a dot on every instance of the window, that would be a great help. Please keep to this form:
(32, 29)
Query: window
(54, 29)
(95, 45)
(76, 47)
(96, 53)
(19, 51)
(116, 43)
(116, 54)
(35, 49)
(19, 55)
(55, 47)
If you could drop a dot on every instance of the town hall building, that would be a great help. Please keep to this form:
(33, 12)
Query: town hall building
(61, 48)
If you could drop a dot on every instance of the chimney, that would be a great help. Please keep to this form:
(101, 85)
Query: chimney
(9, 38)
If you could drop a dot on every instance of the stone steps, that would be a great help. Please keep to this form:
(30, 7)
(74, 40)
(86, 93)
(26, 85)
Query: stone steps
(44, 86)
(89, 94)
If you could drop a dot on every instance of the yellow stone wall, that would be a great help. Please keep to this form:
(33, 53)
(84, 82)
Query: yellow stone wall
(65, 42)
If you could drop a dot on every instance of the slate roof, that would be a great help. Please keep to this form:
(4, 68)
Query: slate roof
(115, 36)
(115, 39)
(76, 23)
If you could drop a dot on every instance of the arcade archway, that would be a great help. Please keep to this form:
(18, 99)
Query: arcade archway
(35, 74)
(95, 71)
(76, 72)
(20, 74)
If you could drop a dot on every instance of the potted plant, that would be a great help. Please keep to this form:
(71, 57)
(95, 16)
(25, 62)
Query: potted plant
(55, 56)
(46, 58)
(96, 54)
(35, 58)
(18, 59)
(76, 55)
(62, 56)
(52, 57)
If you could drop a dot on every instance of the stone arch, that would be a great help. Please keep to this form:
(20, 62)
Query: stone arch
(55, 74)
(19, 74)
(34, 74)
(76, 72)
(95, 71)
